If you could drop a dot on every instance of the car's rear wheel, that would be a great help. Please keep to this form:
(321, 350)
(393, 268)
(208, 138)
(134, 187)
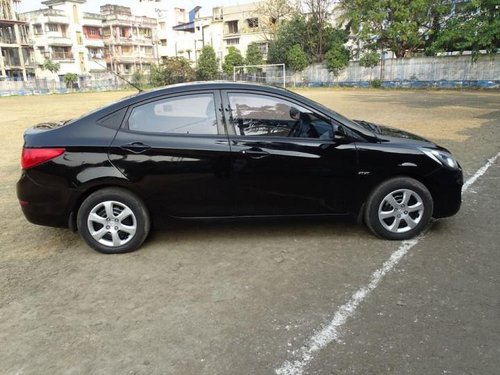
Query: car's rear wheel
(113, 220)
(399, 209)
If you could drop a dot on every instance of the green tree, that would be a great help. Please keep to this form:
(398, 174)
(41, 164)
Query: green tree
(289, 34)
(232, 59)
(70, 79)
(297, 59)
(138, 79)
(305, 33)
(474, 26)
(51, 66)
(400, 26)
(172, 70)
(207, 64)
(318, 27)
(336, 59)
(253, 56)
(370, 59)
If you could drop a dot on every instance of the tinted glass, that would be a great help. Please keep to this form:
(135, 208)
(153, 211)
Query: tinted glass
(113, 120)
(189, 114)
(262, 115)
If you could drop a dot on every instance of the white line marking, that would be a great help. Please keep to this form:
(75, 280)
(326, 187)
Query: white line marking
(479, 173)
(330, 333)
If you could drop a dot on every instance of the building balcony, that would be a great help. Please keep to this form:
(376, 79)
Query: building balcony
(93, 43)
(28, 16)
(132, 40)
(62, 56)
(97, 56)
(125, 20)
(117, 40)
(10, 62)
(8, 40)
(133, 59)
(231, 35)
(59, 41)
(92, 19)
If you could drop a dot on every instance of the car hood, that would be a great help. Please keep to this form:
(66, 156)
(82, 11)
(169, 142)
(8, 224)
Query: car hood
(388, 134)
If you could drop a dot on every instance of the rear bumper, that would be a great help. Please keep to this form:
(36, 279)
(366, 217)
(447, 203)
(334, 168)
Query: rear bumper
(42, 204)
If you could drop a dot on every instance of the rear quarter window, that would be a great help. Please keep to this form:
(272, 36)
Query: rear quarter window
(113, 120)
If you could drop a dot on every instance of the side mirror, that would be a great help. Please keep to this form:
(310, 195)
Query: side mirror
(339, 133)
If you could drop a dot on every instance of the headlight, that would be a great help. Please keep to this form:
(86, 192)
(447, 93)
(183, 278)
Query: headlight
(442, 157)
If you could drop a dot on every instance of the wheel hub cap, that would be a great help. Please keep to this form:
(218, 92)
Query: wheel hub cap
(401, 211)
(112, 223)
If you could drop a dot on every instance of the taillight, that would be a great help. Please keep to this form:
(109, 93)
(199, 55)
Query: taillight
(35, 156)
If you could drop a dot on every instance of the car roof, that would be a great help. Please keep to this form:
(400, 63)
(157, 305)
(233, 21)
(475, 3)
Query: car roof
(207, 85)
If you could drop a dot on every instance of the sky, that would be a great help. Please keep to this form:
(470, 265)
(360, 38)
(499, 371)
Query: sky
(93, 5)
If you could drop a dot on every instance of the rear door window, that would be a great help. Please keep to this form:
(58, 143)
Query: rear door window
(186, 114)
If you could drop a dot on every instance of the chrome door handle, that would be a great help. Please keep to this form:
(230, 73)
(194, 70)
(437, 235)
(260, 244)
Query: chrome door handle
(255, 153)
(136, 147)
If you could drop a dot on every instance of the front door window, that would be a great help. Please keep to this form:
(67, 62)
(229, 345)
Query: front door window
(263, 115)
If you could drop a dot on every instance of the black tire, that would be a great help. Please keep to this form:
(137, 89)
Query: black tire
(414, 207)
(105, 213)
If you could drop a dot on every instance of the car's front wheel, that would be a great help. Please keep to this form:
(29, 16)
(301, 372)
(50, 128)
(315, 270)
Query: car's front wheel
(113, 220)
(399, 209)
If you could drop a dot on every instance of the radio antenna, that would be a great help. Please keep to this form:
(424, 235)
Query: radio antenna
(119, 76)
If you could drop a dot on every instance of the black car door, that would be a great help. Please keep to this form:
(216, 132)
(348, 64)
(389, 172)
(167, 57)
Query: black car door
(285, 157)
(175, 150)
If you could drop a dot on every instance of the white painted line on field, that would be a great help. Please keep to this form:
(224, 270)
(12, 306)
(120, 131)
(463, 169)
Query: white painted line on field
(479, 173)
(330, 333)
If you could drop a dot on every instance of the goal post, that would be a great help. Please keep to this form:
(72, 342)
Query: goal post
(266, 70)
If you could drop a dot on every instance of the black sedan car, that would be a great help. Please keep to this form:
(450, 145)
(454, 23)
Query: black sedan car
(228, 150)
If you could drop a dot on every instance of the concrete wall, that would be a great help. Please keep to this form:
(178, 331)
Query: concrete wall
(445, 71)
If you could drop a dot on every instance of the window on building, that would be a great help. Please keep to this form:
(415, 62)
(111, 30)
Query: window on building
(232, 27)
(217, 14)
(189, 114)
(37, 29)
(263, 48)
(95, 53)
(163, 42)
(162, 25)
(62, 53)
(232, 41)
(93, 31)
(52, 27)
(124, 32)
(253, 23)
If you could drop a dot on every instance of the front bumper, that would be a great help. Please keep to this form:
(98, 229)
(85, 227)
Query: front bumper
(445, 186)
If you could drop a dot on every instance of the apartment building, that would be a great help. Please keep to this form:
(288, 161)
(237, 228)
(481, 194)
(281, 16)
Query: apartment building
(64, 34)
(174, 32)
(16, 51)
(227, 26)
(183, 33)
(128, 40)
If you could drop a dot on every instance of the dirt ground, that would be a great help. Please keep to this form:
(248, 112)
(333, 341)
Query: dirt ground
(236, 298)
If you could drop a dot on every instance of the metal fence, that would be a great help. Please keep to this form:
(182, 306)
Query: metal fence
(100, 82)
(418, 72)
